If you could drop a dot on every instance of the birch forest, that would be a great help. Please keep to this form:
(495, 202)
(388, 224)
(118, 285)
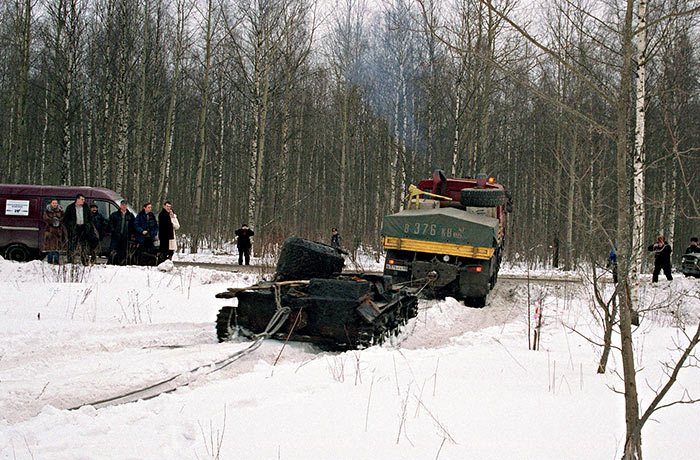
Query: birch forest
(295, 116)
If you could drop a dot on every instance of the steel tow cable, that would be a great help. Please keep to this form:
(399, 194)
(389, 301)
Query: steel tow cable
(424, 286)
(280, 316)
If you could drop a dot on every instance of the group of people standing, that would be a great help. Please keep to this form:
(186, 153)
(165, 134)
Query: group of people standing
(79, 229)
(662, 257)
(155, 236)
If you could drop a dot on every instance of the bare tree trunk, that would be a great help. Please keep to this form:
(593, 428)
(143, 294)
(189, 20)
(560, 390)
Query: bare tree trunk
(66, 170)
(639, 156)
(345, 120)
(573, 153)
(671, 197)
(404, 137)
(44, 134)
(609, 318)
(455, 169)
(164, 178)
(140, 117)
(24, 12)
(633, 441)
(556, 211)
(219, 177)
(122, 119)
(393, 172)
(431, 20)
(199, 178)
(486, 94)
(261, 83)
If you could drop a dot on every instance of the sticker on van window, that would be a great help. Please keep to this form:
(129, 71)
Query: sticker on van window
(17, 208)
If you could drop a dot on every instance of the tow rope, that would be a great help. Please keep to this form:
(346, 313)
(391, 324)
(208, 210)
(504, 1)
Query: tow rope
(185, 378)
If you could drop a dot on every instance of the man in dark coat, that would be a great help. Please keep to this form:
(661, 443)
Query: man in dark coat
(662, 258)
(96, 236)
(166, 230)
(335, 238)
(121, 226)
(78, 223)
(243, 235)
(146, 227)
(693, 248)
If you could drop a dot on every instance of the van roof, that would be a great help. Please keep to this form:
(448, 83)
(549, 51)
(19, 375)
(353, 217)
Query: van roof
(59, 191)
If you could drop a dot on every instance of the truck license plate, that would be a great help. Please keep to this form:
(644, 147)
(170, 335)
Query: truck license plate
(398, 268)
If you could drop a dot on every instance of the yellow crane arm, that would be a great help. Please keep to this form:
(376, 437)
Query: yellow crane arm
(415, 192)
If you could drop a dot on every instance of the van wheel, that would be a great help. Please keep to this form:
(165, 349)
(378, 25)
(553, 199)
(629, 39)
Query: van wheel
(17, 252)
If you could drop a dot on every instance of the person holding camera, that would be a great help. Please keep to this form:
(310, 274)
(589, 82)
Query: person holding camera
(662, 258)
(244, 244)
(53, 234)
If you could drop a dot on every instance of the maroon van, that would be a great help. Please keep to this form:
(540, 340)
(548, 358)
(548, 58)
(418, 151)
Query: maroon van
(21, 209)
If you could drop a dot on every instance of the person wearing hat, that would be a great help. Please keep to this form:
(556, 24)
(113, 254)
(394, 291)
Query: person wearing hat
(121, 225)
(693, 248)
(243, 235)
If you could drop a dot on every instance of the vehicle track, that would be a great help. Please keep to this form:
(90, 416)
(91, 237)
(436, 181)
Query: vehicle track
(114, 360)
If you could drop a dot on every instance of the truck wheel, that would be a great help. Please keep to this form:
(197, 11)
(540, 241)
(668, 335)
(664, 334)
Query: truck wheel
(475, 302)
(482, 197)
(302, 259)
(17, 252)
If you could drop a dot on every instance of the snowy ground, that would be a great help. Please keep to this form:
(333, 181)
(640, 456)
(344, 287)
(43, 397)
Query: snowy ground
(459, 383)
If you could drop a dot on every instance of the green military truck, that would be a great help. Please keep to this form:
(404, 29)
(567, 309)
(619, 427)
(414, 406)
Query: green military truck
(450, 239)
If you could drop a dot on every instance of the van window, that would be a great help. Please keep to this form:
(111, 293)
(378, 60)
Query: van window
(106, 208)
(62, 202)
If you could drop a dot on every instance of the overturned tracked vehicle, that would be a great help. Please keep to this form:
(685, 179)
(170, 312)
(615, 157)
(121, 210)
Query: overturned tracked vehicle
(310, 300)
(450, 238)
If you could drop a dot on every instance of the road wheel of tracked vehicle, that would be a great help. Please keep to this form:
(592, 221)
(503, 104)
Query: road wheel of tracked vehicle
(302, 259)
(224, 329)
(482, 197)
(475, 302)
